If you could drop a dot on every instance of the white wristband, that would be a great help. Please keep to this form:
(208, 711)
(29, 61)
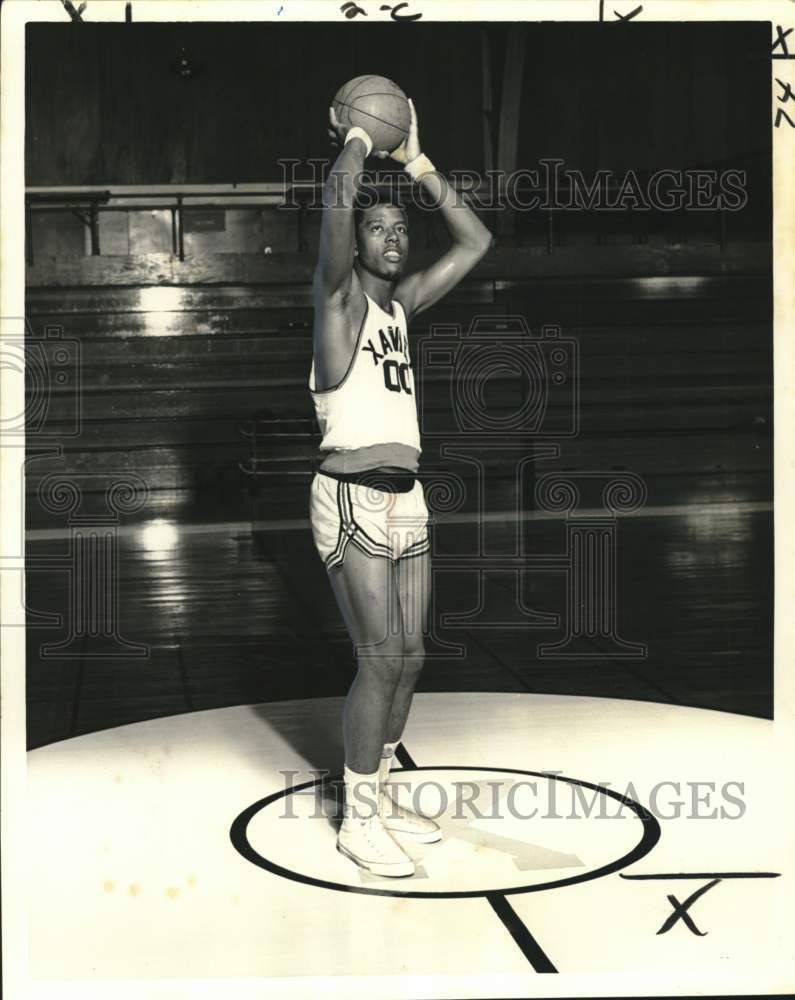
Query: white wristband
(359, 133)
(419, 167)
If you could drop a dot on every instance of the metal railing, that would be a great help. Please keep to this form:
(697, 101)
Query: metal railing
(88, 204)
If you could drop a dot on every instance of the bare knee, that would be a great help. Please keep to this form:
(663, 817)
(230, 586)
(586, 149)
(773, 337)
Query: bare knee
(383, 665)
(413, 655)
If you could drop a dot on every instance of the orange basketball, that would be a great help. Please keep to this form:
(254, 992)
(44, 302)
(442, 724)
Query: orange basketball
(378, 106)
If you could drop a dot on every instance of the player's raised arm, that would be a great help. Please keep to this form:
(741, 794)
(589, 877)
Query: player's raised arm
(471, 239)
(335, 260)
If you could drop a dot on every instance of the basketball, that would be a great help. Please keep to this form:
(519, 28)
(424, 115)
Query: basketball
(378, 106)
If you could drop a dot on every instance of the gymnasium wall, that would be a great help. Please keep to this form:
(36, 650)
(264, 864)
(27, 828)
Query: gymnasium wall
(191, 375)
(646, 96)
(188, 387)
(191, 369)
(109, 104)
(114, 108)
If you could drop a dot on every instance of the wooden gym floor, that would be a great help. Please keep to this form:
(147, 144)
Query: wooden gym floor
(231, 615)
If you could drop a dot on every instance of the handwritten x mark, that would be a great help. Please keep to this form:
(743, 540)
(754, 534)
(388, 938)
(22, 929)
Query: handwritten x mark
(628, 17)
(680, 910)
(781, 39)
(74, 12)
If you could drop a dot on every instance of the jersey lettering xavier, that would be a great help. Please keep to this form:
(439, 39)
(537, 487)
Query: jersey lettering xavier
(375, 402)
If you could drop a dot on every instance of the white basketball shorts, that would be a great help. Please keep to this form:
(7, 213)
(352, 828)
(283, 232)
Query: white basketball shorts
(380, 523)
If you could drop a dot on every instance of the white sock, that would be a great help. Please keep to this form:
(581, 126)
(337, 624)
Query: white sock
(387, 754)
(361, 794)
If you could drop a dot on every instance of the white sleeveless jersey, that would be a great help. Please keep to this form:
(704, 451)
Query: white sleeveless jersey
(375, 401)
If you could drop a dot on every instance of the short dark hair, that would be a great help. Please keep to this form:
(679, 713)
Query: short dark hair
(370, 196)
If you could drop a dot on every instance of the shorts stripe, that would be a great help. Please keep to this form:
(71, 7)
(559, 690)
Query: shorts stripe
(335, 558)
(361, 538)
(350, 531)
(418, 548)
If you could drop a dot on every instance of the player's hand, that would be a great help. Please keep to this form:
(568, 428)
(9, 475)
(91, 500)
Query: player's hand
(337, 131)
(409, 149)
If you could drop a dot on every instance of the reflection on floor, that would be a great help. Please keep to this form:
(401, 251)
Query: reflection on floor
(224, 615)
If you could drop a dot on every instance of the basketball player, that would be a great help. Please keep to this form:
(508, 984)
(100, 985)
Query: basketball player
(368, 513)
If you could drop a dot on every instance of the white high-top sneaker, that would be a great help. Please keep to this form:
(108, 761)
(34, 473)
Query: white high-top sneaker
(365, 841)
(405, 822)
(399, 819)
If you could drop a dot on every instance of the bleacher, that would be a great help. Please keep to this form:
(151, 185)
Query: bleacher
(197, 388)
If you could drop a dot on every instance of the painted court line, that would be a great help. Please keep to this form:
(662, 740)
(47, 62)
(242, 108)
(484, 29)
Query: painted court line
(530, 948)
(493, 517)
(528, 945)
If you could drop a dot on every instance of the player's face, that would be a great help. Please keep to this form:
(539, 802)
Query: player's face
(382, 240)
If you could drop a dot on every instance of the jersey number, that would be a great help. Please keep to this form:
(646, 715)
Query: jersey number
(396, 376)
